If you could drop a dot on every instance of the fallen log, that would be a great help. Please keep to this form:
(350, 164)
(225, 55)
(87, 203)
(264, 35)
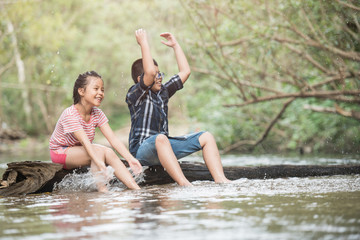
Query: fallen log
(38, 177)
(27, 177)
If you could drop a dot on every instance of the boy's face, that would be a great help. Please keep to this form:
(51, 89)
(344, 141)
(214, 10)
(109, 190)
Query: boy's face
(158, 80)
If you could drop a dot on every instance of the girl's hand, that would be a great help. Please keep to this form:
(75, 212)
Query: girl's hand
(135, 166)
(101, 166)
(102, 169)
(170, 39)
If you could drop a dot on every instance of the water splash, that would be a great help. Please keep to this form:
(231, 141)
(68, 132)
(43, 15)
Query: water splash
(86, 182)
(140, 178)
(244, 188)
(116, 185)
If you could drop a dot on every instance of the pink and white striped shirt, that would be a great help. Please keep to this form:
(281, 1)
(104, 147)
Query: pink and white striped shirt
(69, 122)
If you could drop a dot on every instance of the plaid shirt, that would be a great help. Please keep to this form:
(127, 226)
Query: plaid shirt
(149, 110)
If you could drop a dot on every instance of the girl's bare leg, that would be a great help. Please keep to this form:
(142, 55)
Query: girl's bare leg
(121, 172)
(78, 157)
(99, 178)
(212, 158)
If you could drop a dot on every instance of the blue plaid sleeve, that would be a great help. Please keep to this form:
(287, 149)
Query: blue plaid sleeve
(137, 92)
(173, 85)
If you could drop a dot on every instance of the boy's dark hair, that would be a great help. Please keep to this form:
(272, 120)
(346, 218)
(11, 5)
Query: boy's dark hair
(137, 69)
(81, 82)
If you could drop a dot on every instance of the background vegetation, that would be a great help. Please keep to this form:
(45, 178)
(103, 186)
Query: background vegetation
(266, 75)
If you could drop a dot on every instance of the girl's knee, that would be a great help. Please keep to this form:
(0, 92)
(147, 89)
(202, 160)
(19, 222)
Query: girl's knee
(104, 152)
(109, 152)
(110, 156)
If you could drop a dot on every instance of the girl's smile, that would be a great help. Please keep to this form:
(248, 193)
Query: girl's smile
(93, 94)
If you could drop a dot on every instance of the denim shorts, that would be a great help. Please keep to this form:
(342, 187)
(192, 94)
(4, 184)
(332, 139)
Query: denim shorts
(182, 147)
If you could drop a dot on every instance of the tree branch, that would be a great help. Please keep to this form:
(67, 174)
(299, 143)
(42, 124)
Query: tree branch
(244, 83)
(33, 86)
(224, 44)
(318, 94)
(7, 66)
(335, 110)
(265, 133)
(354, 56)
(353, 7)
(308, 58)
(333, 79)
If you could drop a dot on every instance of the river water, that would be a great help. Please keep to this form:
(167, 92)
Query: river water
(292, 208)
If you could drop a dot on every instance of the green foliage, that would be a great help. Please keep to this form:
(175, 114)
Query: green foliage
(245, 70)
(323, 132)
(57, 40)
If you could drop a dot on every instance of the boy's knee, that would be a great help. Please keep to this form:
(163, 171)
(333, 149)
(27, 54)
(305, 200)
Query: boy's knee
(161, 139)
(206, 137)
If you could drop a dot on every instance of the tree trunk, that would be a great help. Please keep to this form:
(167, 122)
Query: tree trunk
(38, 177)
(21, 72)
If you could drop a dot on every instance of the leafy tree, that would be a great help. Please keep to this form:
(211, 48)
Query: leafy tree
(277, 53)
(57, 40)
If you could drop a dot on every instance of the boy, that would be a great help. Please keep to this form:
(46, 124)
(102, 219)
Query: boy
(147, 101)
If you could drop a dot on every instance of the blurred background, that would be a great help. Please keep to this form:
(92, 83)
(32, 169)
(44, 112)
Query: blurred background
(267, 76)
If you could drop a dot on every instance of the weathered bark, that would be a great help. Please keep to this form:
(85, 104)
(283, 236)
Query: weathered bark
(37, 177)
(199, 171)
(27, 177)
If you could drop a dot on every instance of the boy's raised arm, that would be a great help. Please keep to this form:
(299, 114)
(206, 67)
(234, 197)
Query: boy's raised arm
(183, 65)
(148, 63)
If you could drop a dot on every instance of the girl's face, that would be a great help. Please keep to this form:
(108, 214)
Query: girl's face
(93, 93)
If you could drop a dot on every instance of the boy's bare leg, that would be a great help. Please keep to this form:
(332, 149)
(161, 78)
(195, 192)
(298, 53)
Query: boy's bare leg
(212, 158)
(169, 161)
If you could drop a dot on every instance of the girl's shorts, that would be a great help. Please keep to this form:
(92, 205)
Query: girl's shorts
(59, 156)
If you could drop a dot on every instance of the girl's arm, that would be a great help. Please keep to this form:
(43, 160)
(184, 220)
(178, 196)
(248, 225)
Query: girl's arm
(120, 148)
(85, 142)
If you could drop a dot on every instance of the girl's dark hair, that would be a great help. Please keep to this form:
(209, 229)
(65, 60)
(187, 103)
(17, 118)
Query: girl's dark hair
(137, 69)
(81, 82)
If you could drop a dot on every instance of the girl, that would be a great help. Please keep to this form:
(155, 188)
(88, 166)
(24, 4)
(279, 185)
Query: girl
(71, 142)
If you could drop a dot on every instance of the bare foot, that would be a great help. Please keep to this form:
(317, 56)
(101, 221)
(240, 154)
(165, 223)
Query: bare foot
(223, 180)
(103, 189)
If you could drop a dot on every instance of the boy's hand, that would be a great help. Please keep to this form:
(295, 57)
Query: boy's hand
(171, 40)
(140, 35)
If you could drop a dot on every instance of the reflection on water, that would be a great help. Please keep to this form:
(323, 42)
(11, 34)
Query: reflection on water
(292, 208)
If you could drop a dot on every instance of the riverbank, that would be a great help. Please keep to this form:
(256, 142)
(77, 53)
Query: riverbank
(36, 145)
